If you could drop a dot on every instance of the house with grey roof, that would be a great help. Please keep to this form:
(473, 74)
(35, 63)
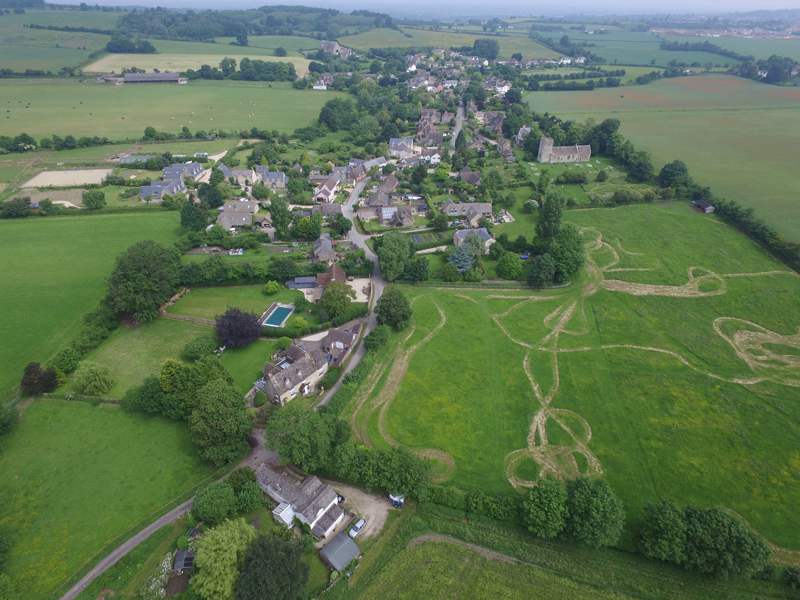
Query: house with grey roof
(236, 214)
(470, 177)
(481, 234)
(241, 177)
(156, 191)
(154, 78)
(310, 501)
(340, 552)
(189, 170)
(472, 212)
(327, 191)
(294, 371)
(336, 49)
(323, 251)
(275, 180)
(402, 147)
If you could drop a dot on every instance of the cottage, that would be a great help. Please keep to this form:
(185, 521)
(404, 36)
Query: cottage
(296, 370)
(481, 234)
(333, 275)
(310, 501)
(155, 192)
(324, 251)
(470, 177)
(336, 49)
(402, 147)
(562, 154)
(237, 214)
(190, 170)
(327, 210)
(389, 184)
(241, 177)
(327, 191)
(275, 180)
(340, 552)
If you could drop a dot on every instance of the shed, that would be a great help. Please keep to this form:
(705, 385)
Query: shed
(340, 552)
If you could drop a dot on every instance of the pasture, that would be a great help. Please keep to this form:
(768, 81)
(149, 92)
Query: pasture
(23, 48)
(76, 478)
(670, 368)
(736, 135)
(54, 271)
(410, 37)
(44, 107)
(295, 45)
(757, 47)
(180, 61)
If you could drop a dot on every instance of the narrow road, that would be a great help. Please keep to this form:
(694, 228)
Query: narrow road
(123, 549)
(459, 125)
(376, 279)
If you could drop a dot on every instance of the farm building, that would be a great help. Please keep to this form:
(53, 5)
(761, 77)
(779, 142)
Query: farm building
(336, 49)
(154, 78)
(481, 233)
(340, 552)
(155, 192)
(562, 154)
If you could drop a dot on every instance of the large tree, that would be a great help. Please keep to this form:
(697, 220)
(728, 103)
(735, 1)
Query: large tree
(663, 533)
(236, 328)
(336, 299)
(273, 568)
(215, 503)
(219, 554)
(193, 217)
(219, 423)
(300, 436)
(37, 380)
(549, 223)
(144, 278)
(545, 509)
(394, 253)
(595, 513)
(394, 309)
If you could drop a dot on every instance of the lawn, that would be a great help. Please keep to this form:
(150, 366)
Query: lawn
(654, 381)
(53, 272)
(409, 37)
(245, 364)
(43, 107)
(75, 479)
(712, 123)
(23, 48)
(210, 302)
(134, 353)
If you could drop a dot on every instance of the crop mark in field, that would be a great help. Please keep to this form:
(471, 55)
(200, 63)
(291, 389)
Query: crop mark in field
(768, 354)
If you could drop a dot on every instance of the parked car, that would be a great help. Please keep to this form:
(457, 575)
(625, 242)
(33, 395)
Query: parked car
(356, 529)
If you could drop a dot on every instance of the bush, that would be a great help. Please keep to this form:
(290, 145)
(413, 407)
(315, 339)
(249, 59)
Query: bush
(236, 328)
(67, 360)
(92, 380)
(250, 497)
(282, 343)
(239, 477)
(596, 516)
(791, 577)
(377, 338)
(8, 418)
(271, 288)
(199, 347)
(215, 503)
(36, 380)
(394, 309)
(94, 199)
(545, 509)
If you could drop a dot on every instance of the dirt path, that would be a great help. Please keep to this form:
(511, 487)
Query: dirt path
(446, 539)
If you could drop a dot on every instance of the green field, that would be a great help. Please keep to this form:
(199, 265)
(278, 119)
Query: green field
(44, 107)
(737, 136)
(23, 48)
(210, 302)
(638, 48)
(409, 37)
(757, 47)
(638, 372)
(75, 478)
(294, 44)
(53, 272)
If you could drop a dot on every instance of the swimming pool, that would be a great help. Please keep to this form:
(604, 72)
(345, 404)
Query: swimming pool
(277, 315)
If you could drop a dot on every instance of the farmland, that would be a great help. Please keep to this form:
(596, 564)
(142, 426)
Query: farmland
(83, 477)
(606, 376)
(44, 107)
(23, 48)
(737, 136)
(54, 272)
(410, 37)
(757, 47)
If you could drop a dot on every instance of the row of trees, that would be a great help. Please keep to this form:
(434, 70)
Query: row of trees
(249, 70)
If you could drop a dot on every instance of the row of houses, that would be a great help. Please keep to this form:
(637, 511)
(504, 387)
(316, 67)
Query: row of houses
(247, 177)
(173, 181)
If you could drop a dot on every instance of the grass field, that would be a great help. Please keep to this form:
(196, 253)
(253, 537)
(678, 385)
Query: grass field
(53, 272)
(210, 302)
(23, 48)
(295, 45)
(638, 48)
(639, 372)
(736, 135)
(43, 107)
(75, 477)
(409, 37)
(758, 47)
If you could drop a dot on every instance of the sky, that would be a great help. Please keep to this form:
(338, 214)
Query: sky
(470, 8)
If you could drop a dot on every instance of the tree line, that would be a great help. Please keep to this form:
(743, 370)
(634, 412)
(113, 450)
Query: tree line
(249, 70)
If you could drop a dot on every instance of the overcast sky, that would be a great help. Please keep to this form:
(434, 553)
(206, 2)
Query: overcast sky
(463, 8)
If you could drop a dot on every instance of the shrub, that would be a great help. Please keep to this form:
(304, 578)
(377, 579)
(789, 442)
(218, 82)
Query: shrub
(94, 199)
(271, 288)
(8, 418)
(236, 328)
(394, 309)
(250, 497)
(377, 338)
(215, 503)
(791, 577)
(282, 343)
(36, 380)
(545, 509)
(330, 378)
(67, 360)
(92, 380)
(199, 347)
(595, 513)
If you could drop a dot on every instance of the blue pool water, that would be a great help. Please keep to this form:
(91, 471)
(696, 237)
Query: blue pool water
(277, 317)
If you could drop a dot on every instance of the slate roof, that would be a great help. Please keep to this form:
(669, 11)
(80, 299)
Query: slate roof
(275, 179)
(291, 367)
(307, 498)
(340, 552)
(152, 77)
(323, 248)
(462, 209)
(460, 236)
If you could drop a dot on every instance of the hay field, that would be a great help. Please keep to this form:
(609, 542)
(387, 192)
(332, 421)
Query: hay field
(758, 47)
(67, 178)
(44, 107)
(736, 135)
(115, 63)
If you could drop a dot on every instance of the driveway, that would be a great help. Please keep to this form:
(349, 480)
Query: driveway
(375, 509)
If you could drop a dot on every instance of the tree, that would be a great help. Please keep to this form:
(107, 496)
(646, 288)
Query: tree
(214, 503)
(144, 278)
(545, 509)
(340, 225)
(36, 380)
(596, 516)
(308, 228)
(237, 329)
(673, 174)
(250, 497)
(280, 51)
(281, 216)
(393, 254)
(336, 299)
(219, 554)
(462, 258)
(271, 288)
(719, 544)
(393, 309)
(300, 436)
(509, 266)
(16, 208)
(377, 338)
(549, 223)
(663, 533)
(219, 423)
(8, 418)
(567, 252)
(513, 96)
(640, 167)
(147, 398)
(339, 113)
(273, 568)
(193, 217)
(92, 379)
(440, 222)
(94, 199)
